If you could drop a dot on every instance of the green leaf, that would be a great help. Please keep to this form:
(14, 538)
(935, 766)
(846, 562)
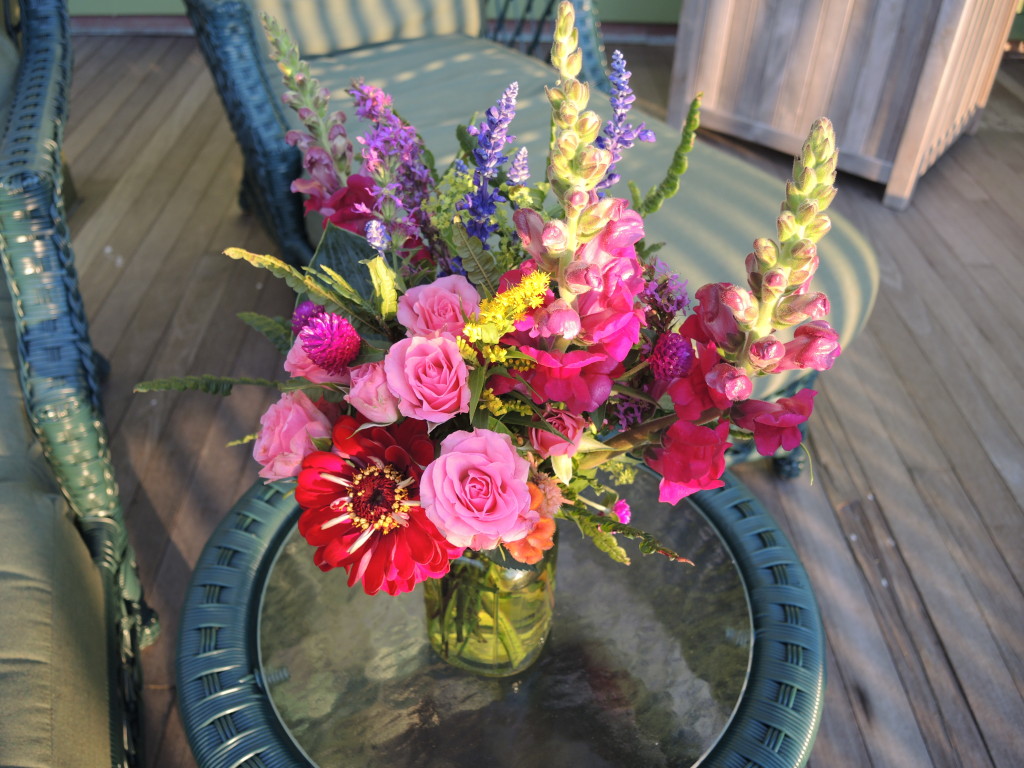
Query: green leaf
(243, 440)
(481, 267)
(298, 281)
(211, 385)
(383, 278)
(477, 379)
(277, 330)
(341, 252)
(562, 465)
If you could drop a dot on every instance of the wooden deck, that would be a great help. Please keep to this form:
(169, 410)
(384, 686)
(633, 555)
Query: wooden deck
(912, 532)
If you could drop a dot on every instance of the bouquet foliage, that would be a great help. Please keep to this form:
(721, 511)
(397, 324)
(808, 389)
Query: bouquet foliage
(474, 355)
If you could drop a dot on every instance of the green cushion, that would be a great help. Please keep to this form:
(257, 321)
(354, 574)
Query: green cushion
(319, 27)
(54, 655)
(708, 228)
(9, 60)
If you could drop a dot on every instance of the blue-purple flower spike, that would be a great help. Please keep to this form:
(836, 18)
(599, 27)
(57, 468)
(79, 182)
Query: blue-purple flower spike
(377, 236)
(619, 134)
(492, 135)
(519, 169)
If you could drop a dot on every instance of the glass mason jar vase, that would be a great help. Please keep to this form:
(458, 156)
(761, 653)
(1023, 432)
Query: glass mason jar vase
(491, 619)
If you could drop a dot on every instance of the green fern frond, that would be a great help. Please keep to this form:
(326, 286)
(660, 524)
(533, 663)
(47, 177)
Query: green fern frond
(211, 385)
(481, 267)
(601, 530)
(277, 330)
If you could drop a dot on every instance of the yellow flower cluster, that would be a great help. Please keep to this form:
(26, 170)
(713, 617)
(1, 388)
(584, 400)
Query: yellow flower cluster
(499, 407)
(498, 314)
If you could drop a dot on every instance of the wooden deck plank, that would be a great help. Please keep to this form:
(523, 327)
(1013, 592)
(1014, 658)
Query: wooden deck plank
(911, 534)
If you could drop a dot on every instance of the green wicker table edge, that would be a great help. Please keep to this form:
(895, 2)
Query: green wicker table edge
(230, 720)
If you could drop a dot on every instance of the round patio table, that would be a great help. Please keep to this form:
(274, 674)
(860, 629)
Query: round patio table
(716, 664)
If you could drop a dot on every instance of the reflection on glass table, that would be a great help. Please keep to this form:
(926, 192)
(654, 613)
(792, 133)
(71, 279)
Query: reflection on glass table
(644, 666)
(655, 664)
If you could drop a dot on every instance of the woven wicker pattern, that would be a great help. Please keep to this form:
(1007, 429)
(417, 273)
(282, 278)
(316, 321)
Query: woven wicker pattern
(230, 720)
(60, 373)
(228, 717)
(231, 46)
(777, 719)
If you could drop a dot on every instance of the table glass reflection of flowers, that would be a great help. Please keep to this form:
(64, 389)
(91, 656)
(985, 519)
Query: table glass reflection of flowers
(644, 665)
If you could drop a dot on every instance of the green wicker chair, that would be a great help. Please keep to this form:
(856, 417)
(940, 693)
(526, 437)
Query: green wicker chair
(74, 617)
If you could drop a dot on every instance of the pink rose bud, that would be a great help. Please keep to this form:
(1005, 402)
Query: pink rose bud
(548, 443)
(287, 430)
(729, 381)
(440, 307)
(369, 394)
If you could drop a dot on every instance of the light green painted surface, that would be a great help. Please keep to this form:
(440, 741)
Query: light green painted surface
(622, 11)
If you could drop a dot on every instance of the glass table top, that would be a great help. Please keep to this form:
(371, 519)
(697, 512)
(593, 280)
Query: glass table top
(644, 666)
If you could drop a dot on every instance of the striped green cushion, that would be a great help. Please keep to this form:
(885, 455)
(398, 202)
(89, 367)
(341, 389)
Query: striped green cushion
(319, 27)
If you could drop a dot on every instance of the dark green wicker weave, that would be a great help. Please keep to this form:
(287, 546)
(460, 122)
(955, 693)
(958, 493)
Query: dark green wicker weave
(60, 374)
(230, 42)
(230, 720)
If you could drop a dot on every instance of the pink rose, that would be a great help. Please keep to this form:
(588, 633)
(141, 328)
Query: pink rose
(429, 378)
(547, 443)
(370, 395)
(438, 307)
(298, 364)
(692, 459)
(476, 491)
(287, 430)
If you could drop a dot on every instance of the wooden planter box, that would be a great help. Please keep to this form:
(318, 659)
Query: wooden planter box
(901, 80)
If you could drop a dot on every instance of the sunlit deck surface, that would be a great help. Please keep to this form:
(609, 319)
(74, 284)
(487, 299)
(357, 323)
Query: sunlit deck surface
(912, 531)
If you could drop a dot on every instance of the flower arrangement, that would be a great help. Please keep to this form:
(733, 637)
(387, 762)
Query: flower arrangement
(473, 356)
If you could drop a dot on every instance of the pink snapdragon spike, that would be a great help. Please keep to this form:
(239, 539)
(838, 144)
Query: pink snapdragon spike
(691, 459)
(730, 382)
(815, 345)
(691, 396)
(775, 425)
(582, 379)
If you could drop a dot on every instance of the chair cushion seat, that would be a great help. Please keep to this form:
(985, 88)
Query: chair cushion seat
(54, 652)
(708, 228)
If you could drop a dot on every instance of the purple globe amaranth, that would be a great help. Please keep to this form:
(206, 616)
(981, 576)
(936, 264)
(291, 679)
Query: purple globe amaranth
(303, 313)
(672, 357)
(330, 341)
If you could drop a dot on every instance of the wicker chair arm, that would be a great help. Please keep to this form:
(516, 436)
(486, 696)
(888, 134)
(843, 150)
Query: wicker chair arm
(228, 39)
(59, 371)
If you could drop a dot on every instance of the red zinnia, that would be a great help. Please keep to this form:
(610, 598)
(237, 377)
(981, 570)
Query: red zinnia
(361, 511)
